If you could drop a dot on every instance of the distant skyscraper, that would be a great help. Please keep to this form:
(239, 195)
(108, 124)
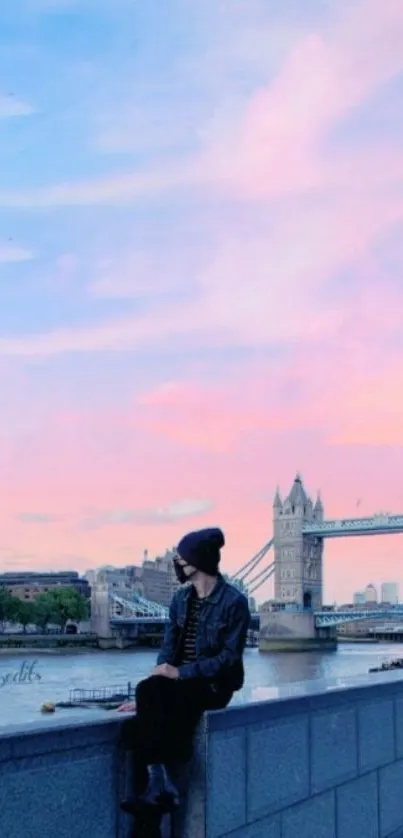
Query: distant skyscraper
(359, 598)
(371, 594)
(390, 592)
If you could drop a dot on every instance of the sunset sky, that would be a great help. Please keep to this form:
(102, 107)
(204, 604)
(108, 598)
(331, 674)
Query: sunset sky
(201, 275)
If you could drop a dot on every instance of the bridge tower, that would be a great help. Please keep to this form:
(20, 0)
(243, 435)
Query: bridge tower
(287, 623)
(100, 623)
(298, 557)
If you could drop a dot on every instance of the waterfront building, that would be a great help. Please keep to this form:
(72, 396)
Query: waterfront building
(121, 579)
(154, 579)
(27, 585)
(359, 598)
(390, 593)
(363, 628)
(159, 579)
(371, 594)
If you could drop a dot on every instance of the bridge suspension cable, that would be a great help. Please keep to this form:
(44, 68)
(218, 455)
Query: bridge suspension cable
(260, 578)
(250, 566)
(262, 581)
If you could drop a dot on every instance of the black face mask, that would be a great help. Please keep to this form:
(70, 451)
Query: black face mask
(181, 576)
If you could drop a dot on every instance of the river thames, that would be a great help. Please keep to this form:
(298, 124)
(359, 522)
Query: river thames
(27, 680)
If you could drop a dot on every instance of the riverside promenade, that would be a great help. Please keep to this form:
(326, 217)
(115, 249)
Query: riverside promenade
(327, 763)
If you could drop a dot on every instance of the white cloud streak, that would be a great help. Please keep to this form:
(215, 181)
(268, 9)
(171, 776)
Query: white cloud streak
(10, 252)
(176, 511)
(12, 106)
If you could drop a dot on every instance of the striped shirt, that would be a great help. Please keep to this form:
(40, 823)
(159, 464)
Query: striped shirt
(189, 652)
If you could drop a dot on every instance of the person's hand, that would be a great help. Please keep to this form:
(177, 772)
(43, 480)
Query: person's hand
(128, 707)
(167, 671)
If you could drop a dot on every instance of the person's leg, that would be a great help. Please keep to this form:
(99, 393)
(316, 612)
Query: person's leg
(148, 736)
(168, 712)
(218, 699)
(133, 741)
(142, 733)
(162, 730)
(184, 706)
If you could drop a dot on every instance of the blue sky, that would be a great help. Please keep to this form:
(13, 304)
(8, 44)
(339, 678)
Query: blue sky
(200, 268)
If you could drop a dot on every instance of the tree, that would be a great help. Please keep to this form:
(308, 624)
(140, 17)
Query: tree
(68, 604)
(24, 612)
(60, 605)
(7, 606)
(43, 610)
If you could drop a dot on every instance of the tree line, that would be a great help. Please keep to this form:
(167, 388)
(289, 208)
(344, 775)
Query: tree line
(57, 606)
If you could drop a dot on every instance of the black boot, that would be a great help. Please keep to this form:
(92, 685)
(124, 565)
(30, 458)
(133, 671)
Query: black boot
(160, 788)
(160, 793)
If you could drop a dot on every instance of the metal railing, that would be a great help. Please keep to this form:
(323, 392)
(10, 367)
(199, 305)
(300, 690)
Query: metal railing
(103, 694)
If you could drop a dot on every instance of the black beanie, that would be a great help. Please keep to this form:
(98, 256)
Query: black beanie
(201, 549)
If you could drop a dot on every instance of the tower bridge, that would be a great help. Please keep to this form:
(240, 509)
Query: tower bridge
(295, 619)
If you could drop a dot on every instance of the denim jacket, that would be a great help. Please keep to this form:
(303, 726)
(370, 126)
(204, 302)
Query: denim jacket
(221, 635)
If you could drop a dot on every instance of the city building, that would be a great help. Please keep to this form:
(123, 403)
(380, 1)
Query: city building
(154, 579)
(359, 598)
(27, 585)
(374, 625)
(390, 593)
(159, 578)
(127, 578)
(371, 594)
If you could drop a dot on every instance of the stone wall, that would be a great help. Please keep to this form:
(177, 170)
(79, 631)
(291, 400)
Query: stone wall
(60, 780)
(321, 766)
(63, 777)
(328, 764)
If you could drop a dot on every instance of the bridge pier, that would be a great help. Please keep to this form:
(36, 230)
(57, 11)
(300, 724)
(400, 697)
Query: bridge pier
(100, 623)
(293, 631)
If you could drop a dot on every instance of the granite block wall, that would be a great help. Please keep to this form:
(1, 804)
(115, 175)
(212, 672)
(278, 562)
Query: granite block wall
(328, 766)
(64, 776)
(58, 780)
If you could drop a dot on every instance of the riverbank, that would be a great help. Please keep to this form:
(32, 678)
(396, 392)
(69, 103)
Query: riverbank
(47, 643)
(369, 641)
(28, 651)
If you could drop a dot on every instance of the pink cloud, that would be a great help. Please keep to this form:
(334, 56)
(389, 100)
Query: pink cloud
(210, 418)
(243, 295)
(273, 146)
(278, 146)
(203, 441)
(329, 403)
(329, 212)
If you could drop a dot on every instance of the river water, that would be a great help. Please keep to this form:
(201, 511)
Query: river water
(52, 676)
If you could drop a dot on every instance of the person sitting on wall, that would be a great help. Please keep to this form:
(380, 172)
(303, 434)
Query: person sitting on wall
(199, 667)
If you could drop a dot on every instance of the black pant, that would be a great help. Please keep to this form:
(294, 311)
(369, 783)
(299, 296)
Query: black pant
(167, 714)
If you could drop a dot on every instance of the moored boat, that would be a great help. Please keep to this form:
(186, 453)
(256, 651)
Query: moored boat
(387, 666)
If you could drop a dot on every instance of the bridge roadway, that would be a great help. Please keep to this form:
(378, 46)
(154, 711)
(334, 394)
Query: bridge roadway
(326, 619)
(323, 619)
(119, 622)
(382, 524)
